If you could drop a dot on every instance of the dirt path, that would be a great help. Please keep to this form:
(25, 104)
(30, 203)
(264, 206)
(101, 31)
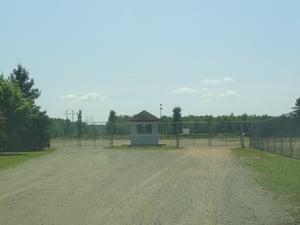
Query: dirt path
(95, 186)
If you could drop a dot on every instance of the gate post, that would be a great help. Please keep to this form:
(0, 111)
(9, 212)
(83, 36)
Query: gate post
(242, 135)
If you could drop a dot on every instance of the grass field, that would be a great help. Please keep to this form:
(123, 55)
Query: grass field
(276, 173)
(12, 159)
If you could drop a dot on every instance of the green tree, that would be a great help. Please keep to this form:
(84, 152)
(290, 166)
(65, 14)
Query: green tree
(296, 108)
(176, 120)
(79, 124)
(56, 127)
(121, 125)
(3, 138)
(111, 126)
(17, 112)
(166, 125)
(23, 126)
(68, 128)
(38, 134)
(20, 76)
(177, 126)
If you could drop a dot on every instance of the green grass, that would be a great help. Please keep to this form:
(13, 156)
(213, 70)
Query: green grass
(279, 174)
(12, 159)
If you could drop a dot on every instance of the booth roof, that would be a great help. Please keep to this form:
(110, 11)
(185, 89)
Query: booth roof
(144, 116)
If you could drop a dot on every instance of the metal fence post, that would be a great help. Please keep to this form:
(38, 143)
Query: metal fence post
(281, 146)
(242, 135)
(177, 135)
(210, 134)
(291, 147)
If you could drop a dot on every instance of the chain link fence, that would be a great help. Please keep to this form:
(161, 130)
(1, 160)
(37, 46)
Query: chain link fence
(183, 134)
(279, 135)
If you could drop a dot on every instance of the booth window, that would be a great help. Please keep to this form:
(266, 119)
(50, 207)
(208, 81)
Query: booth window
(144, 128)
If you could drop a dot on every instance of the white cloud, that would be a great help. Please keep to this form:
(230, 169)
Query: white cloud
(69, 97)
(210, 81)
(218, 81)
(228, 93)
(93, 96)
(206, 94)
(228, 79)
(186, 90)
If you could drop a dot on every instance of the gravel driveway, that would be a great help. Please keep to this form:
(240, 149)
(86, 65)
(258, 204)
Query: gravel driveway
(151, 187)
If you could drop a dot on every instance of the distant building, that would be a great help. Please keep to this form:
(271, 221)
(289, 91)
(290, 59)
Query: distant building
(144, 129)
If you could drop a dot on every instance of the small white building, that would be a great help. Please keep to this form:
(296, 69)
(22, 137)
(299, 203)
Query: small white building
(144, 129)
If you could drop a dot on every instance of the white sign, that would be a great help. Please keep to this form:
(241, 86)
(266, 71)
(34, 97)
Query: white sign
(186, 131)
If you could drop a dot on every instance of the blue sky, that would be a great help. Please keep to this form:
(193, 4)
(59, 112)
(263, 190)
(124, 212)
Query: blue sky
(208, 57)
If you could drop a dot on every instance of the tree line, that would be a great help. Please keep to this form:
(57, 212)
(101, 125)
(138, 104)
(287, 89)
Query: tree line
(173, 125)
(23, 125)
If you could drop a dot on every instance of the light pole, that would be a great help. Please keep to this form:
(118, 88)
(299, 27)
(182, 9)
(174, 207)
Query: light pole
(160, 108)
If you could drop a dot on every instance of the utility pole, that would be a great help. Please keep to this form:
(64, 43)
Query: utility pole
(70, 113)
(73, 116)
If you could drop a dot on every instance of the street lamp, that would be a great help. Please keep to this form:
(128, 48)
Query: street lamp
(160, 108)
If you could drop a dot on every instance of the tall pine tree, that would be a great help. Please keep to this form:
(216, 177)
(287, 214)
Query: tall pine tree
(20, 77)
(23, 126)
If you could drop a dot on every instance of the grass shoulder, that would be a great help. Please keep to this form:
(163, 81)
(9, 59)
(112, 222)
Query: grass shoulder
(279, 174)
(13, 159)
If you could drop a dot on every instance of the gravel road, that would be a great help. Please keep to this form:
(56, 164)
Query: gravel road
(119, 187)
